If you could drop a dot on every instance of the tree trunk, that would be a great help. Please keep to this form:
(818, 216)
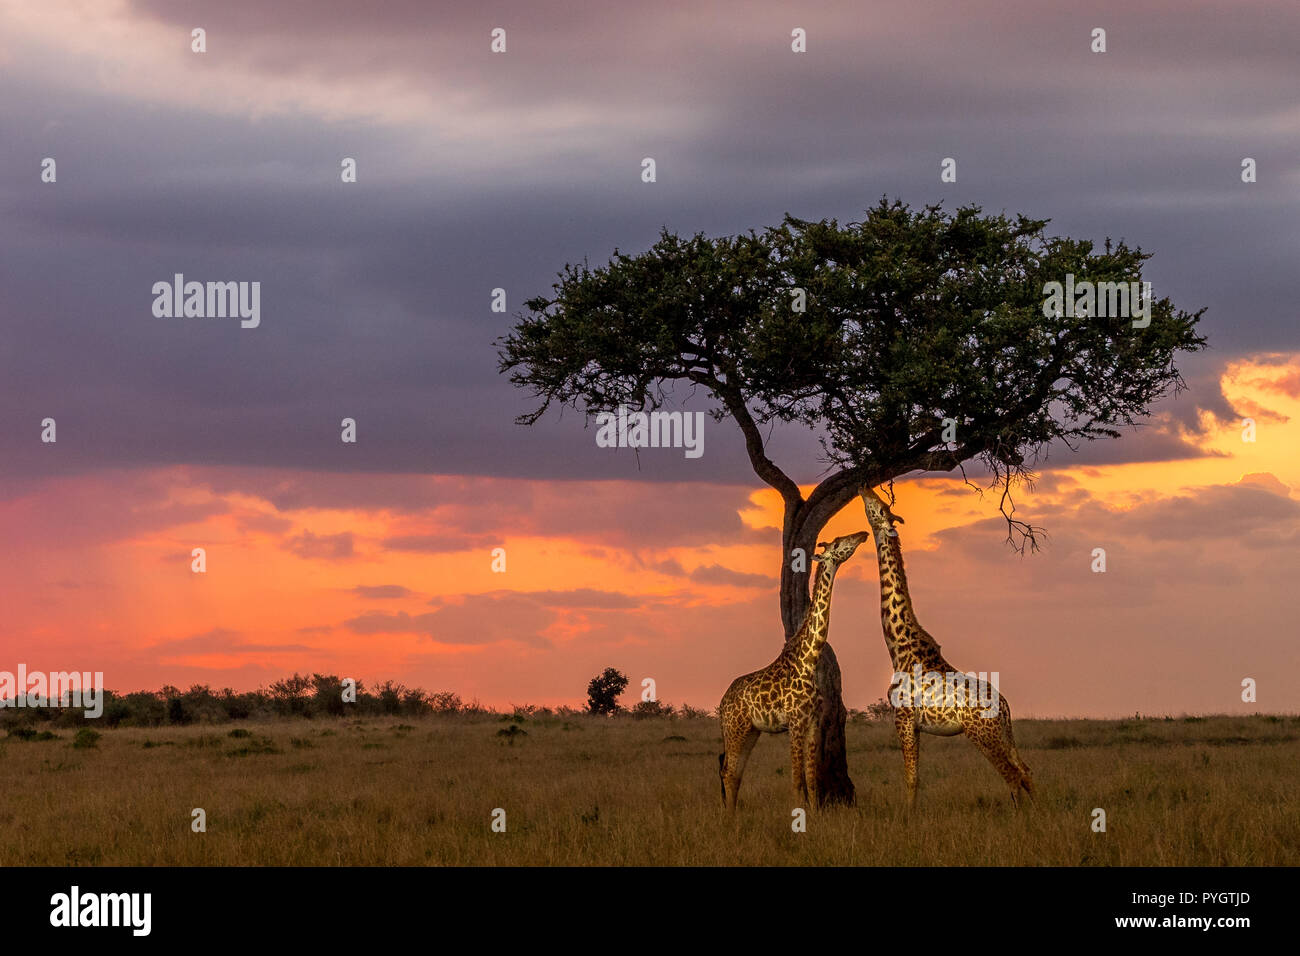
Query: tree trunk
(833, 783)
(804, 520)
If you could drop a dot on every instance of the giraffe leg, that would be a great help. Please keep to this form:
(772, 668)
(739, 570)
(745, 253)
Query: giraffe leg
(798, 751)
(992, 738)
(810, 766)
(1026, 781)
(738, 742)
(905, 727)
(1009, 739)
(746, 748)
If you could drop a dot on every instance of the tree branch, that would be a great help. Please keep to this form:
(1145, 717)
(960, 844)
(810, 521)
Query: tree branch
(763, 466)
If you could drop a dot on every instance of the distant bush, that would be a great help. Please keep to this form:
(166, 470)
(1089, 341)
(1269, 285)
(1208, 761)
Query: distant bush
(298, 696)
(445, 702)
(652, 708)
(258, 745)
(289, 696)
(115, 710)
(327, 696)
(414, 701)
(390, 698)
(880, 710)
(86, 738)
(146, 709)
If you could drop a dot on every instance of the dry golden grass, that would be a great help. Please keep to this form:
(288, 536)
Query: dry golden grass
(1213, 791)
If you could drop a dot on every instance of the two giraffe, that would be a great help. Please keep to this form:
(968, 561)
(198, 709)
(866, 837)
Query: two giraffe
(781, 696)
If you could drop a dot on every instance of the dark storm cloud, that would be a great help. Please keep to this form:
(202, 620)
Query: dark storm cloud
(447, 514)
(375, 296)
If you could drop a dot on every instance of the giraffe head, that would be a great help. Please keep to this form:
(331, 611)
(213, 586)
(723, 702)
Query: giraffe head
(878, 513)
(841, 549)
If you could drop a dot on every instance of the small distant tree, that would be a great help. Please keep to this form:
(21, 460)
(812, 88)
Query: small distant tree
(328, 694)
(146, 709)
(289, 696)
(603, 692)
(880, 710)
(446, 702)
(201, 705)
(415, 701)
(389, 695)
(116, 709)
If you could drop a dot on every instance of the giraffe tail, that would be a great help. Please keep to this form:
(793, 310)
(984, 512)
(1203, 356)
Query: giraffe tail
(722, 775)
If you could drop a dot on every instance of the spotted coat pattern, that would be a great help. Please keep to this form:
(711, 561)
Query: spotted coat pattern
(780, 698)
(910, 646)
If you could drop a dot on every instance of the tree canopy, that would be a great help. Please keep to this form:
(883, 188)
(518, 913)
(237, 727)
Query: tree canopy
(872, 334)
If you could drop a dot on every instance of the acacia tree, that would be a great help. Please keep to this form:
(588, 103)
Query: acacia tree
(912, 341)
(603, 691)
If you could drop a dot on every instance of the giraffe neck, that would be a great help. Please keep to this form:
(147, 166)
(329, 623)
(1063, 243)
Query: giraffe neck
(807, 646)
(903, 635)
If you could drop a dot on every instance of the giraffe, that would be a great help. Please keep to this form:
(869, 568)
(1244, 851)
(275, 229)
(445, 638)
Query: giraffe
(967, 705)
(780, 698)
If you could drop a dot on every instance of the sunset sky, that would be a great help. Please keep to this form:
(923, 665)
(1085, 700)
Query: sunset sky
(479, 170)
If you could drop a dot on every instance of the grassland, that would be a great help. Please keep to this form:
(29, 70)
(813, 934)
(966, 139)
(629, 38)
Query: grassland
(1186, 791)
